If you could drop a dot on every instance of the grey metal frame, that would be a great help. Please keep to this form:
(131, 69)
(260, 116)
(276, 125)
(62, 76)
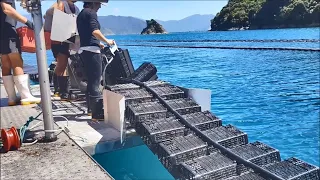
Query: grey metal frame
(34, 7)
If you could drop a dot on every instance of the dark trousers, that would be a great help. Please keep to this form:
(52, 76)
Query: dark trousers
(93, 67)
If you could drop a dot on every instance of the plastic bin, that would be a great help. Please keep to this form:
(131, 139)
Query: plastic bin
(134, 96)
(145, 72)
(27, 39)
(203, 120)
(184, 106)
(168, 92)
(121, 66)
(133, 86)
(294, 169)
(118, 87)
(153, 83)
(247, 176)
(145, 111)
(181, 149)
(227, 136)
(158, 130)
(213, 166)
(257, 153)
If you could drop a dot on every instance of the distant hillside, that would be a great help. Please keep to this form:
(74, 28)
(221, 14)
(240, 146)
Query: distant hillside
(262, 14)
(114, 24)
(131, 25)
(122, 24)
(195, 22)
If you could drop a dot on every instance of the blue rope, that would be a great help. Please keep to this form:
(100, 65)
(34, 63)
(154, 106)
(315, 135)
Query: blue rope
(23, 129)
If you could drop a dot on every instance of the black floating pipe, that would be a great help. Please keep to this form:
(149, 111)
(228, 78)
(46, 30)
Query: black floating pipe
(231, 40)
(199, 133)
(230, 47)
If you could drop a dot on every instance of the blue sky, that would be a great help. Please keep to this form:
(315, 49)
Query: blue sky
(162, 10)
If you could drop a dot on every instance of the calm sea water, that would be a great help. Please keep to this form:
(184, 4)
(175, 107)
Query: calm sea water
(271, 95)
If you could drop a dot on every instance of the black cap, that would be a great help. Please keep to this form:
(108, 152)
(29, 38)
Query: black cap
(85, 4)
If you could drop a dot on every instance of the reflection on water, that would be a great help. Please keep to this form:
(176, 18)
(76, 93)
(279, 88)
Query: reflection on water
(134, 163)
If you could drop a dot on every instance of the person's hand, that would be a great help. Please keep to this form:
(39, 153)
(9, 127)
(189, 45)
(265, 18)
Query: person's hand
(110, 42)
(29, 24)
(101, 46)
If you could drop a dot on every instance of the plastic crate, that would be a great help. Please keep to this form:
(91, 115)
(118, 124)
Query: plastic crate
(126, 55)
(153, 78)
(257, 153)
(247, 176)
(134, 96)
(168, 92)
(180, 149)
(213, 166)
(121, 65)
(145, 72)
(118, 87)
(156, 83)
(203, 120)
(28, 41)
(158, 130)
(184, 106)
(227, 136)
(145, 111)
(294, 169)
(127, 86)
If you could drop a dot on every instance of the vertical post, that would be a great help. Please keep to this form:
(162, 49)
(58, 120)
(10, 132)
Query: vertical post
(35, 9)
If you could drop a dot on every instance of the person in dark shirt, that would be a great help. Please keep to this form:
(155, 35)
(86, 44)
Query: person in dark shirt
(90, 37)
(10, 51)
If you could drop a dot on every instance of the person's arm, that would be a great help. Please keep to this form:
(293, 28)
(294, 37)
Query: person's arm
(97, 33)
(10, 11)
(94, 24)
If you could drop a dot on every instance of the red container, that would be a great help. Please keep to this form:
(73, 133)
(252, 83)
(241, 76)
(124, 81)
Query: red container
(27, 39)
(10, 139)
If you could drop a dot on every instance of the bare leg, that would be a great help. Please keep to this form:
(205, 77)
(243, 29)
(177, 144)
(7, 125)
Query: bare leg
(8, 81)
(17, 63)
(62, 61)
(6, 65)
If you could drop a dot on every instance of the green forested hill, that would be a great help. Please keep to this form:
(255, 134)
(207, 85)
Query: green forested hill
(260, 14)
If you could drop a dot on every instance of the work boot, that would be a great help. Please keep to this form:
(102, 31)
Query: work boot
(88, 104)
(23, 85)
(55, 85)
(96, 105)
(64, 87)
(9, 86)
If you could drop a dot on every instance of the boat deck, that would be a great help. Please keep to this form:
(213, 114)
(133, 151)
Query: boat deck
(62, 159)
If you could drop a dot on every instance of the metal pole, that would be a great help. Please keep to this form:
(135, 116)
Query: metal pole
(35, 8)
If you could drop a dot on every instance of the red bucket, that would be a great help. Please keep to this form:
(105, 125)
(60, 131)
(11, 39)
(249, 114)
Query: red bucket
(27, 39)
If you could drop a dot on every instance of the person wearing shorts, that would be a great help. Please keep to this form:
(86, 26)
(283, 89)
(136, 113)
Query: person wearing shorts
(60, 50)
(10, 52)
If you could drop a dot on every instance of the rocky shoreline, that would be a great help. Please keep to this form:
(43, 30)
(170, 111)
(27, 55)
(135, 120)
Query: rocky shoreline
(153, 27)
